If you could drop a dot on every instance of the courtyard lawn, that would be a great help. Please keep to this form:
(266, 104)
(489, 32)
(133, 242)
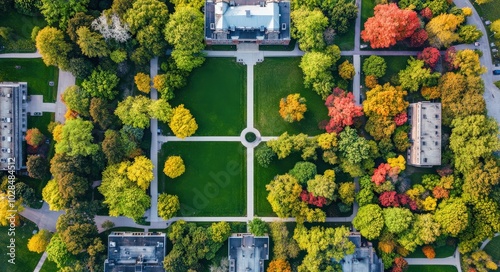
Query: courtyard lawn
(21, 26)
(493, 248)
(49, 266)
(346, 41)
(441, 252)
(33, 71)
(394, 65)
(431, 268)
(216, 97)
(276, 78)
(25, 260)
(214, 183)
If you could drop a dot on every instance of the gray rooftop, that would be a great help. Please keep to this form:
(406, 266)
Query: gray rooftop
(135, 251)
(247, 252)
(13, 123)
(425, 135)
(364, 258)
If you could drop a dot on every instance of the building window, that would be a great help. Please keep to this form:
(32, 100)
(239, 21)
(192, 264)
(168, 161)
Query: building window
(437, 116)
(425, 159)
(423, 143)
(424, 116)
(212, 26)
(283, 26)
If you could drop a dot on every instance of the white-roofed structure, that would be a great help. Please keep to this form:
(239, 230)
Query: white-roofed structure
(232, 22)
(425, 134)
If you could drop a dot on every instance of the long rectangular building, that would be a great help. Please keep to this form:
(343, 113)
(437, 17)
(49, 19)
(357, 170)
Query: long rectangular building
(425, 134)
(13, 123)
(256, 21)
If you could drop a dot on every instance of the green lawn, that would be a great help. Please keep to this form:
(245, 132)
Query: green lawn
(346, 41)
(394, 65)
(21, 26)
(493, 248)
(49, 266)
(215, 95)
(431, 268)
(489, 11)
(441, 252)
(214, 183)
(366, 12)
(25, 260)
(275, 78)
(41, 122)
(33, 71)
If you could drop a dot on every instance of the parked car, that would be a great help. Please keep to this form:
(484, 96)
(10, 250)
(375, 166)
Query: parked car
(496, 72)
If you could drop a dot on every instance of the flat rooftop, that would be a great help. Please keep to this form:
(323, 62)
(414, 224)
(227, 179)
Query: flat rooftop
(425, 135)
(247, 252)
(130, 251)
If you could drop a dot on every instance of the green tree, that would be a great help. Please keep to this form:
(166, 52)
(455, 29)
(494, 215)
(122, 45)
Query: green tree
(58, 253)
(52, 46)
(168, 205)
(258, 227)
(101, 83)
(309, 26)
(264, 155)
(282, 146)
(347, 192)
(369, 221)
(284, 246)
(316, 66)
(453, 216)
(284, 191)
(397, 219)
(91, 43)
(34, 137)
(112, 146)
(80, 19)
(184, 31)
(77, 138)
(219, 231)
(322, 245)
(161, 110)
(472, 138)
(469, 33)
(60, 11)
(353, 147)
(374, 65)
(323, 185)
(80, 67)
(303, 171)
(51, 195)
(102, 113)
(145, 19)
(342, 14)
(77, 100)
(72, 186)
(416, 75)
(123, 196)
(134, 111)
(37, 166)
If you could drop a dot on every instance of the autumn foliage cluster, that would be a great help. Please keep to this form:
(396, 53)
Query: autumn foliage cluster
(342, 110)
(389, 25)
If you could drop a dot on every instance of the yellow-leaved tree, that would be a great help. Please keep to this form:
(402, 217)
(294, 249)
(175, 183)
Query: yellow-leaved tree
(293, 107)
(141, 171)
(174, 167)
(442, 29)
(143, 82)
(38, 243)
(182, 123)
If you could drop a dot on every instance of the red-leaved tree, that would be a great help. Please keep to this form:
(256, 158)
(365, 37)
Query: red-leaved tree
(418, 38)
(388, 199)
(389, 25)
(449, 58)
(309, 198)
(34, 137)
(342, 110)
(380, 173)
(430, 55)
(400, 264)
(401, 118)
(426, 13)
(405, 200)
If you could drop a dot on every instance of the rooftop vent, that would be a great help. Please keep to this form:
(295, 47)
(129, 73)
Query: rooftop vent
(247, 12)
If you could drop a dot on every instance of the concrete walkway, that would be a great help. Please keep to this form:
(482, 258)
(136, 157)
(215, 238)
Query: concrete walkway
(485, 242)
(453, 261)
(165, 139)
(43, 217)
(40, 262)
(153, 214)
(66, 79)
(36, 104)
(35, 55)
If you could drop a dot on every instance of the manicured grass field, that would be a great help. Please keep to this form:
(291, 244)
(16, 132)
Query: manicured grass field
(493, 248)
(441, 252)
(275, 78)
(25, 260)
(366, 11)
(214, 183)
(216, 97)
(21, 26)
(489, 11)
(33, 71)
(346, 41)
(431, 268)
(394, 65)
(49, 266)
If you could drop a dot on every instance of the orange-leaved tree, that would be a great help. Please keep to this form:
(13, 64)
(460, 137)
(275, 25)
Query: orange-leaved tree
(293, 107)
(389, 25)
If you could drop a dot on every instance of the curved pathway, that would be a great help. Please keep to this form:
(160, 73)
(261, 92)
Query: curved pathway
(485, 242)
